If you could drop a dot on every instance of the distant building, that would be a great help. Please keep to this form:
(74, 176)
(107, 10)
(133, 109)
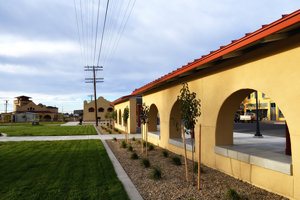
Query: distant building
(102, 107)
(78, 113)
(23, 104)
(267, 108)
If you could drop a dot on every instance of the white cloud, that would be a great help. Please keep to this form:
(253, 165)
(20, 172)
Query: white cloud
(40, 53)
(20, 69)
(15, 46)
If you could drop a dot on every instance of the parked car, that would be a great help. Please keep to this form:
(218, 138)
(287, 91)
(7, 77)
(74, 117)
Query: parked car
(248, 117)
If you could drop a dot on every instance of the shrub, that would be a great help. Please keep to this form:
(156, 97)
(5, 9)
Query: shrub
(155, 173)
(165, 153)
(123, 144)
(176, 160)
(145, 162)
(195, 168)
(150, 147)
(134, 156)
(119, 132)
(115, 129)
(133, 138)
(109, 131)
(102, 127)
(139, 141)
(114, 139)
(110, 126)
(130, 148)
(233, 195)
(144, 143)
(107, 124)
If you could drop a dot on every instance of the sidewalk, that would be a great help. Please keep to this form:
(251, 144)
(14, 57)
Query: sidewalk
(70, 124)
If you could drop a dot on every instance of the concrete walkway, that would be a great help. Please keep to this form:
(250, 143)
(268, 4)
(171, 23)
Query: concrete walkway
(70, 124)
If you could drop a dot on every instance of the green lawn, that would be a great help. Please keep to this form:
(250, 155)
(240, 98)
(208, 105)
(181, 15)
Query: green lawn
(48, 130)
(79, 169)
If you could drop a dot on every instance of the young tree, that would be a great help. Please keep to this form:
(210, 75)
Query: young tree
(106, 116)
(144, 120)
(113, 115)
(125, 119)
(189, 110)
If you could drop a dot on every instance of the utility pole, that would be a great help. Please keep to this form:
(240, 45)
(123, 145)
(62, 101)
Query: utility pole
(91, 97)
(94, 80)
(6, 102)
(257, 134)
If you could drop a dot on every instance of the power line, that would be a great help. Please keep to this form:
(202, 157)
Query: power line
(115, 47)
(78, 33)
(103, 32)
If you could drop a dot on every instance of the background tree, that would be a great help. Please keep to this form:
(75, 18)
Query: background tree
(144, 120)
(125, 119)
(189, 110)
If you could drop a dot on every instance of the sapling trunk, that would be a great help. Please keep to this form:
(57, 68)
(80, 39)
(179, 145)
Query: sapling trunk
(185, 157)
(146, 139)
(192, 132)
(143, 127)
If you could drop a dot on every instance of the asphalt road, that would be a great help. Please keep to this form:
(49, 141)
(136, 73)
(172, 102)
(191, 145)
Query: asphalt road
(277, 130)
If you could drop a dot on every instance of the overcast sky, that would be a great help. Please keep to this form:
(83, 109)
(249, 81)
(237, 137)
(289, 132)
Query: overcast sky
(43, 53)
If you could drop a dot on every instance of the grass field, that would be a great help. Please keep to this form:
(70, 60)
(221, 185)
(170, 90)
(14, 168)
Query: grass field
(48, 130)
(79, 169)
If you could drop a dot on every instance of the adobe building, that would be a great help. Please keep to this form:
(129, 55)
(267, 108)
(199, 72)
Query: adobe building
(102, 107)
(268, 109)
(132, 102)
(23, 104)
(222, 79)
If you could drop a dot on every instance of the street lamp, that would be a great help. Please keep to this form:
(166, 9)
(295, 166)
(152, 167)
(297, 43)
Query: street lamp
(257, 134)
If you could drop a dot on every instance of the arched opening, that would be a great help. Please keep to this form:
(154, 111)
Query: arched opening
(47, 118)
(239, 140)
(175, 136)
(154, 122)
(175, 117)
(91, 109)
(101, 109)
(110, 109)
(120, 118)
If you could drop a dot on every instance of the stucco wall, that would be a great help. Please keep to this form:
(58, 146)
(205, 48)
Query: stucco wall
(273, 70)
(101, 103)
(131, 124)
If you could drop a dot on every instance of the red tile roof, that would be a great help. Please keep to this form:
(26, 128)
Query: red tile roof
(266, 30)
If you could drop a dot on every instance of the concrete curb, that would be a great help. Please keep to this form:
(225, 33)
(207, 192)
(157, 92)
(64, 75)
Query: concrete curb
(131, 190)
(97, 129)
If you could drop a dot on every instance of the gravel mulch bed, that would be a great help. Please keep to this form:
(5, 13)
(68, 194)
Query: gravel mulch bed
(173, 183)
(103, 132)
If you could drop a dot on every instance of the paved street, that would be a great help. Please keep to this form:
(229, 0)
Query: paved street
(270, 129)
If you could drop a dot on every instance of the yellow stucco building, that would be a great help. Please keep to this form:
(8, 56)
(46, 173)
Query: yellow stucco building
(23, 104)
(102, 107)
(222, 81)
(268, 109)
(119, 105)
